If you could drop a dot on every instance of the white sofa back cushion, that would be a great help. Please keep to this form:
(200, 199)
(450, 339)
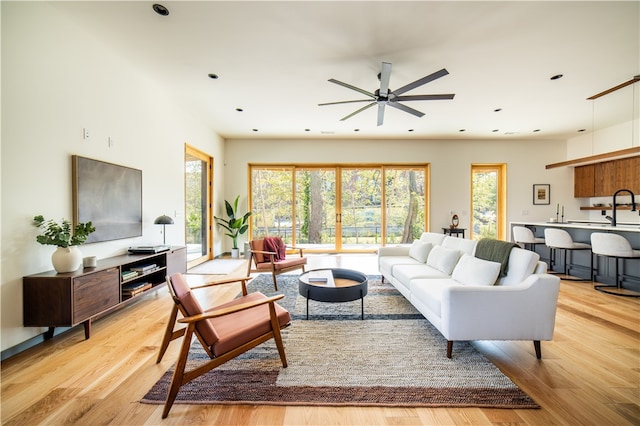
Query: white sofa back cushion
(522, 263)
(473, 271)
(443, 259)
(419, 250)
(460, 244)
(432, 237)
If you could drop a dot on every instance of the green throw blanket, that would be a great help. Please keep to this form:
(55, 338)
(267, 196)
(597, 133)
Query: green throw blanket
(495, 251)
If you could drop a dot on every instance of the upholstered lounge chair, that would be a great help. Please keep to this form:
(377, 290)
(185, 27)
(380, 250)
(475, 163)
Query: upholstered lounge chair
(225, 331)
(265, 260)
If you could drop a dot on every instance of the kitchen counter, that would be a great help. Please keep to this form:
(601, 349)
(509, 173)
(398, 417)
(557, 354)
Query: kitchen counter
(580, 259)
(584, 224)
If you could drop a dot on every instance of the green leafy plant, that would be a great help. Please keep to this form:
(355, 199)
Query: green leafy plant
(234, 224)
(60, 234)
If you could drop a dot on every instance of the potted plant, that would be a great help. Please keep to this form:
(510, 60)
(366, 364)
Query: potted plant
(235, 225)
(67, 257)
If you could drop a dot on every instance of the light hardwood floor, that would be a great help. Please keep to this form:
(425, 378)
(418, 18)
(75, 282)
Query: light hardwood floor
(589, 374)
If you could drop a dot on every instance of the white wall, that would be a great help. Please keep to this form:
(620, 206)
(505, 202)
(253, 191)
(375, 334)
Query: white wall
(450, 169)
(56, 80)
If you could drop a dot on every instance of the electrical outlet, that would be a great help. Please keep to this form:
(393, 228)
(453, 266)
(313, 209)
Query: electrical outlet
(85, 134)
(111, 142)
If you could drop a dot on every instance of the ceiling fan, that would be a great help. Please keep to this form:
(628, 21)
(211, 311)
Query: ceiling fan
(383, 96)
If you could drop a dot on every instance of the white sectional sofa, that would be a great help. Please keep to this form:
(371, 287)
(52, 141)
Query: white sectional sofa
(465, 297)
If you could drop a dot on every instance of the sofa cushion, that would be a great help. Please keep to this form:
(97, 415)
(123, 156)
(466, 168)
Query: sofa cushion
(387, 264)
(443, 259)
(405, 273)
(460, 244)
(420, 250)
(473, 271)
(428, 293)
(432, 237)
(522, 263)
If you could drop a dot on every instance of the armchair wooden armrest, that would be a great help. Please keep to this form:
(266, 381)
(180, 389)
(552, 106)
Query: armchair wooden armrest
(298, 249)
(232, 309)
(243, 280)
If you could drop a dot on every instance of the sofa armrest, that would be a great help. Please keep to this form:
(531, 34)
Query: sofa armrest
(524, 311)
(393, 251)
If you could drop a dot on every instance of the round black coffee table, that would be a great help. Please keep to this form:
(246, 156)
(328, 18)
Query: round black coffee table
(333, 285)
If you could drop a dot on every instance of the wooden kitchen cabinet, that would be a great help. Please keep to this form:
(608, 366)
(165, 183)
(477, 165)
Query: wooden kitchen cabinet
(604, 179)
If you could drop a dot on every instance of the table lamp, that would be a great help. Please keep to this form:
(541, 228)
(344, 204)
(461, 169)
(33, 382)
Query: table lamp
(164, 220)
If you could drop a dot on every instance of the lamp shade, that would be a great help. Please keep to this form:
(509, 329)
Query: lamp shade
(163, 220)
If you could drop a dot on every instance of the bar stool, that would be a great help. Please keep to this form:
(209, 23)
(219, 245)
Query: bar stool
(523, 235)
(617, 247)
(559, 239)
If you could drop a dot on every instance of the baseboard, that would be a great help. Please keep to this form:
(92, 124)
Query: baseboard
(28, 344)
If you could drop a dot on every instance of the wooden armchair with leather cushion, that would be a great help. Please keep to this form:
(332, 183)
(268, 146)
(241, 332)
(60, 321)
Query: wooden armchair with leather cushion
(268, 255)
(225, 331)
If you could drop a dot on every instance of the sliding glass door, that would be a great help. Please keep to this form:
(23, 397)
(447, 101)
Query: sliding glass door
(198, 168)
(339, 208)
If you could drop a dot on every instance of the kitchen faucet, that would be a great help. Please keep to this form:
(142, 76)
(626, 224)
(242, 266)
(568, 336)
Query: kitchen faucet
(615, 196)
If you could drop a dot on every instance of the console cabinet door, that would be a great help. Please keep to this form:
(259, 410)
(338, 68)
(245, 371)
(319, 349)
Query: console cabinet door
(177, 261)
(94, 293)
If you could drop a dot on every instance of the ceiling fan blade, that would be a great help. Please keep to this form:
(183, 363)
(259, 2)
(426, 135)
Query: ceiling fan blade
(423, 80)
(348, 86)
(406, 109)
(380, 113)
(385, 75)
(345, 102)
(424, 97)
(358, 111)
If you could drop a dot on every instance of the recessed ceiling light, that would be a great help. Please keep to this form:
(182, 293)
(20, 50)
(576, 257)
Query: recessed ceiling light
(307, 130)
(497, 110)
(462, 130)
(582, 130)
(410, 130)
(556, 77)
(213, 76)
(494, 130)
(255, 130)
(160, 9)
(356, 130)
(536, 130)
(239, 109)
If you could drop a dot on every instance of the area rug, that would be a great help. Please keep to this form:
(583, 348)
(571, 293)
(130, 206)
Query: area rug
(394, 357)
(217, 267)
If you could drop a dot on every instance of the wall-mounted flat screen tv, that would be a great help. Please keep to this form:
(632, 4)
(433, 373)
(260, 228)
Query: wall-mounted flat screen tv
(108, 195)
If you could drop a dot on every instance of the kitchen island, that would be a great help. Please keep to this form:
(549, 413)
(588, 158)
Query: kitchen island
(579, 259)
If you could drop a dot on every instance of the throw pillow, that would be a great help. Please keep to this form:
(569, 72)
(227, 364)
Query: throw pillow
(473, 271)
(443, 259)
(420, 251)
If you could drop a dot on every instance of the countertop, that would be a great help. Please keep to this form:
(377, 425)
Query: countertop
(582, 224)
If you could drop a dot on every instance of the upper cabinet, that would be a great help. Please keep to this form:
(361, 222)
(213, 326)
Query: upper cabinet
(603, 179)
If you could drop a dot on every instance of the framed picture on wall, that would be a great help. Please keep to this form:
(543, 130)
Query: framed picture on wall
(541, 193)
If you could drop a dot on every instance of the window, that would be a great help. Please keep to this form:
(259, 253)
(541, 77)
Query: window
(488, 201)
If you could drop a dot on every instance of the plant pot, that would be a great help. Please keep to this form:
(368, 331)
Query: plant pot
(235, 253)
(66, 259)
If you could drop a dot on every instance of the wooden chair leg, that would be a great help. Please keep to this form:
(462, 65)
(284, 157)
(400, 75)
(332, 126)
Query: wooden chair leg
(536, 345)
(178, 374)
(169, 334)
(277, 336)
(275, 283)
(449, 348)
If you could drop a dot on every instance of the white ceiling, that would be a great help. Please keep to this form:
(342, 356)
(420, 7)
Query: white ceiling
(274, 58)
